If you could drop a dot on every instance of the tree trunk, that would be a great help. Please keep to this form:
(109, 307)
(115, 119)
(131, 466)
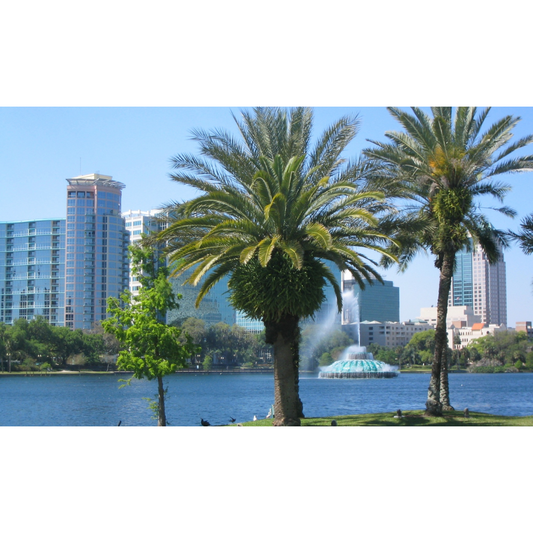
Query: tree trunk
(434, 402)
(161, 417)
(444, 386)
(284, 336)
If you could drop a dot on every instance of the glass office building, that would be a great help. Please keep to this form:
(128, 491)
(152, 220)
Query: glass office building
(32, 270)
(96, 261)
(376, 302)
(480, 285)
(214, 308)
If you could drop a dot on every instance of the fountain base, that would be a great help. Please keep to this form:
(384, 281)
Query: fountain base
(356, 375)
(356, 363)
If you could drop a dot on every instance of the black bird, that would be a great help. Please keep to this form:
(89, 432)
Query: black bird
(119, 422)
(204, 422)
(231, 419)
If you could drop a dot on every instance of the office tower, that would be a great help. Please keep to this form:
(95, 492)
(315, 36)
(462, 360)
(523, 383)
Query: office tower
(138, 223)
(214, 307)
(96, 249)
(251, 324)
(480, 285)
(377, 301)
(32, 270)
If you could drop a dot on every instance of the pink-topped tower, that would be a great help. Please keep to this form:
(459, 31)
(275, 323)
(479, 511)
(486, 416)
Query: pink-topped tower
(96, 261)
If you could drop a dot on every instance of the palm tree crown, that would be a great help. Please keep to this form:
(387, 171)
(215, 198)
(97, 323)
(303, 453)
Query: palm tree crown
(272, 196)
(444, 163)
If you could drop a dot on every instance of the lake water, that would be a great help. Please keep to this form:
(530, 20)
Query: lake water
(97, 400)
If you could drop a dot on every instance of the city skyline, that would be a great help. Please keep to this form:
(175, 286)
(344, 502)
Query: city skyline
(134, 146)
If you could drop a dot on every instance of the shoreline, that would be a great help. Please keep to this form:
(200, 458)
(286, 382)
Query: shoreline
(219, 372)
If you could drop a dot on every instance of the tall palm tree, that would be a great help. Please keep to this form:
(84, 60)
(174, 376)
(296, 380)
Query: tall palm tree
(443, 163)
(273, 209)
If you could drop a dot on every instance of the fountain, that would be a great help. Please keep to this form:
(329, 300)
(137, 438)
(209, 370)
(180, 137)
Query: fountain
(355, 361)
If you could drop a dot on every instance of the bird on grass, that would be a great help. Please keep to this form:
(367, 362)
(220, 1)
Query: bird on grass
(204, 422)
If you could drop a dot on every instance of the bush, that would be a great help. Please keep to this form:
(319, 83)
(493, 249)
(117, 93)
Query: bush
(483, 369)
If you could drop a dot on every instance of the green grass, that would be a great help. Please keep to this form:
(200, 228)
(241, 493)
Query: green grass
(412, 418)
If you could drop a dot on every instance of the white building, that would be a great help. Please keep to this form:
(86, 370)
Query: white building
(461, 322)
(462, 314)
(469, 334)
(138, 223)
(390, 334)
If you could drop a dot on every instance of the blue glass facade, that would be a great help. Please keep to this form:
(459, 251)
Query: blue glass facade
(214, 308)
(380, 302)
(462, 292)
(96, 261)
(32, 270)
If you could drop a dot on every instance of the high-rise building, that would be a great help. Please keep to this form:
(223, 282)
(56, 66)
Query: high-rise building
(96, 249)
(480, 285)
(138, 223)
(376, 302)
(214, 307)
(32, 270)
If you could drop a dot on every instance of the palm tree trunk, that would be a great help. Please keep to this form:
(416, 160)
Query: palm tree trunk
(434, 401)
(444, 386)
(284, 337)
(161, 416)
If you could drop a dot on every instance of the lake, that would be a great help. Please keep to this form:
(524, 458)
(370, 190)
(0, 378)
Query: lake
(98, 400)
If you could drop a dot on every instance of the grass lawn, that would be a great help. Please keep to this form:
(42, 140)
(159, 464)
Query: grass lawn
(412, 418)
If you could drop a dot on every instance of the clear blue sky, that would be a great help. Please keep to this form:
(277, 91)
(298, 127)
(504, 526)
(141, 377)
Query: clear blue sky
(43, 146)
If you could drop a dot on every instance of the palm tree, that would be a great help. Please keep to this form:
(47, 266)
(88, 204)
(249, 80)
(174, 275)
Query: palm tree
(442, 164)
(273, 209)
(525, 236)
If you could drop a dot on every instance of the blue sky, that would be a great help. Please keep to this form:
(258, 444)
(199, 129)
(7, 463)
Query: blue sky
(43, 146)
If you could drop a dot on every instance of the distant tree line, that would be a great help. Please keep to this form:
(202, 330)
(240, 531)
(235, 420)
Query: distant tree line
(222, 344)
(504, 351)
(36, 345)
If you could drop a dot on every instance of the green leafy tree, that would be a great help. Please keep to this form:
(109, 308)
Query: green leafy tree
(207, 363)
(153, 349)
(195, 328)
(443, 164)
(325, 359)
(110, 344)
(272, 210)
(16, 341)
(66, 344)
